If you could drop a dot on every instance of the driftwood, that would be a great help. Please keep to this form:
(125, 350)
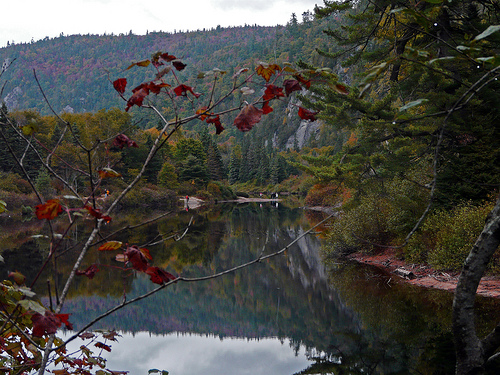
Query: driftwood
(404, 273)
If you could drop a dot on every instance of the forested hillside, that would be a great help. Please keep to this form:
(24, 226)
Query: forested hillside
(75, 71)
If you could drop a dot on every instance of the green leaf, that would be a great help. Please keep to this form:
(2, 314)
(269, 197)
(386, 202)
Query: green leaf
(486, 33)
(32, 306)
(446, 58)
(3, 206)
(412, 104)
(434, 1)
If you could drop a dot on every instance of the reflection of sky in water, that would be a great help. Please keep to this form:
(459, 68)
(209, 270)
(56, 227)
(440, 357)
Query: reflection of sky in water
(197, 355)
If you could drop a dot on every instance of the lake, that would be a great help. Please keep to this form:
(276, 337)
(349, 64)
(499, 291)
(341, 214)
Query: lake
(293, 314)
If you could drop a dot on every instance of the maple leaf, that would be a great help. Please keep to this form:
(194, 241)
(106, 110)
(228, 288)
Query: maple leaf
(121, 140)
(18, 277)
(95, 212)
(248, 117)
(216, 121)
(305, 114)
(49, 210)
(182, 90)
(203, 113)
(101, 345)
(142, 63)
(178, 65)
(137, 97)
(155, 88)
(136, 258)
(110, 246)
(90, 271)
(266, 108)
(120, 84)
(341, 89)
(159, 276)
(108, 172)
(303, 81)
(167, 57)
(111, 335)
(291, 85)
(266, 71)
(272, 92)
(87, 335)
(48, 323)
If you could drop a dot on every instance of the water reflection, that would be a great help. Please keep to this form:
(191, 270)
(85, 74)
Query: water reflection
(203, 354)
(331, 318)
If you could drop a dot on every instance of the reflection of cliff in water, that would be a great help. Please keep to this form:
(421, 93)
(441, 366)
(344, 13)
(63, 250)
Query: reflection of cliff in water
(286, 296)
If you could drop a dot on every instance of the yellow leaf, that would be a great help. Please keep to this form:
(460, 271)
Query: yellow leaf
(110, 246)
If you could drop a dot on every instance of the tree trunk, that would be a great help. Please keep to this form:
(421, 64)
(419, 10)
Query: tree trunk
(473, 353)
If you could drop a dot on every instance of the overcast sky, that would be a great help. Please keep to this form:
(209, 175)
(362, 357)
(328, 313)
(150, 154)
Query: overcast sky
(24, 20)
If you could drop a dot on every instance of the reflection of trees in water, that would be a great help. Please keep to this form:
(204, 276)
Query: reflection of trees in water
(348, 317)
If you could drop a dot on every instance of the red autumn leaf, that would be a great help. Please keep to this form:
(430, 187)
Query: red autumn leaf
(18, 277)
(120, 84)
(216, 121)
(48, 323)
(95, 212)
(266, 108)
(248, 117)
(146, 253)
(159, 276)
(137, 98)
(266, 71)
(305, 114)
(110, 246)
(103, 346)
(178, 65)
(64, 319)
(108, 173)
(341, 89)
(291, 85)
(49, 210)
(272, 92)
(90, 271)
(136, 258)
(121, 141)
(182, 90)
(167, 57)
(155, 88)
(303, 81)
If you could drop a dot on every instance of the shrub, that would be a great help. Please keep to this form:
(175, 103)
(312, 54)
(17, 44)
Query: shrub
(447, 237)
(12, 182)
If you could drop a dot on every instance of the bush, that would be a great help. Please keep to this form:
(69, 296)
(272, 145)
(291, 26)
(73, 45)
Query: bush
(446, 238)
(12, 182)
(151, 197)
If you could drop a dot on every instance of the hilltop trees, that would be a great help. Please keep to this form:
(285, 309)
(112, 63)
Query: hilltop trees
(423, 116)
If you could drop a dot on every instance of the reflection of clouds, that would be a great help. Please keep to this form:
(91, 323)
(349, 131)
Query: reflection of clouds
(197, 355)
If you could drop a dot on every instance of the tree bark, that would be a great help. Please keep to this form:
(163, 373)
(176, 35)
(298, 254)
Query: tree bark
(473, 353)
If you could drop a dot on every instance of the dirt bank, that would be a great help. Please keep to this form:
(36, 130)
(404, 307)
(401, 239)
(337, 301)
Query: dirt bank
(423, 275)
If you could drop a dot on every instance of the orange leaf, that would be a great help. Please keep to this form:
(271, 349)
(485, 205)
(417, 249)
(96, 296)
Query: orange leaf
(108, 172)
(203, 113)
(248, 117)
(49, 210)
(110, 246)
(142, 63)
(182, 90)
(266, 71)
(146, 253)
(341, 89)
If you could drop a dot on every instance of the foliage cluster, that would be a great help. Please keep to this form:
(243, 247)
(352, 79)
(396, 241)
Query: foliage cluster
(445, 239)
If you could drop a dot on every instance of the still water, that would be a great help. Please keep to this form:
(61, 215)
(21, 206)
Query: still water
(293, 314)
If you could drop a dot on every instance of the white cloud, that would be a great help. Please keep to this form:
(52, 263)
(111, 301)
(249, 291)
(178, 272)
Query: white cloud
(24, 20)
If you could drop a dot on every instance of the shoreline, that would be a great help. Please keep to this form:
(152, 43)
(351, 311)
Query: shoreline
(423, 275)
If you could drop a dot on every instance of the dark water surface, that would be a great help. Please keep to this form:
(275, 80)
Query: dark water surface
(292, 314)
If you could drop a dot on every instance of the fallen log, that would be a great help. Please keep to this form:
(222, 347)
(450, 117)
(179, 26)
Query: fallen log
(404, 273)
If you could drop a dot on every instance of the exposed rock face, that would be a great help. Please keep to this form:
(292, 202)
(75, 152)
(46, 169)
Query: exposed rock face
(12, 99)
(305, 131)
